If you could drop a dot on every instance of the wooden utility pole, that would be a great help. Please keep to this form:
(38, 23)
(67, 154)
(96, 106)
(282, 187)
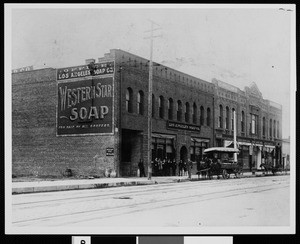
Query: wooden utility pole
(149, 115)
(234, 137)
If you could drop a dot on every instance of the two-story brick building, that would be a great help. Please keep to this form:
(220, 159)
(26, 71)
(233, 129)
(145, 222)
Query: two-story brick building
(97, 123)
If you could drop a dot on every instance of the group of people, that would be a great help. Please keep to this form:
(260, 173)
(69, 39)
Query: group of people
(167, 167)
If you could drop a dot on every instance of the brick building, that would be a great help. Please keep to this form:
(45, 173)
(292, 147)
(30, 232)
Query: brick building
(258, 124)
(68, 119)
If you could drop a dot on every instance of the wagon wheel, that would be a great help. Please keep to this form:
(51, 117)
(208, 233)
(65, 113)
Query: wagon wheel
(225, 174)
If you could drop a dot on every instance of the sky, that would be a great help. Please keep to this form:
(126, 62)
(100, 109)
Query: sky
(236, 44)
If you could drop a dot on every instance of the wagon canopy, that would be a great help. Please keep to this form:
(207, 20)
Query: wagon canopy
(221, 149)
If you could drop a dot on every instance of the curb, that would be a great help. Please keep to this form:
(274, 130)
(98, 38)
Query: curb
(38, 189)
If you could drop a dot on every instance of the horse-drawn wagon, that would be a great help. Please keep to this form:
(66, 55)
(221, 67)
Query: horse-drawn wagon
(219, 161)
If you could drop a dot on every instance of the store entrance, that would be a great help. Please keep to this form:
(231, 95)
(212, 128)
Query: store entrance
(131, 152)
(183, 154)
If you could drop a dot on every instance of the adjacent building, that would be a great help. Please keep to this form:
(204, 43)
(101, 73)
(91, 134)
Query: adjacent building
(91, 119)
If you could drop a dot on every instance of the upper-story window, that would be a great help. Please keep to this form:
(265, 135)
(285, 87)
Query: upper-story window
(161, 106)
(187, 112)
(227, 118)
(220, 121)
(170, 109)
(194, 113)
(243, 122)
(264, 126)
(201, 115)
(179, 110)
(254, 124)
(270, 128)
(140, 103)
(208, 117)
(129, 98)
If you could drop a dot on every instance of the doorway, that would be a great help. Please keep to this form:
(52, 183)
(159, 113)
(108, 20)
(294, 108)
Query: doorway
(183, 154)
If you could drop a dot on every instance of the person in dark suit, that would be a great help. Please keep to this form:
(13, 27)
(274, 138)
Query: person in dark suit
(142, 168)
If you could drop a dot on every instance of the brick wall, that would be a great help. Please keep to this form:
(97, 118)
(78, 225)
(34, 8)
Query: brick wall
(36, 150)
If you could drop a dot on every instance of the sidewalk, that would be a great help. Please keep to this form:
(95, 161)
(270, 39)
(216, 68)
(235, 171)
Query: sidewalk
(79, 184)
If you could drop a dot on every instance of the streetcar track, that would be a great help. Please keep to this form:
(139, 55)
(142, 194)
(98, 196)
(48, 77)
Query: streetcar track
(240, 191)
(108, 195)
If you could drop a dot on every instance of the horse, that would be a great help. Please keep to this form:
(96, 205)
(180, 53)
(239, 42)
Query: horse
(267, 168)
(214, 168)
(202, 169)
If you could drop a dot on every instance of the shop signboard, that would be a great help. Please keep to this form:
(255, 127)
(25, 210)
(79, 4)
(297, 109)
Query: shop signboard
(104, 68)
(85, 106)
(181, 126)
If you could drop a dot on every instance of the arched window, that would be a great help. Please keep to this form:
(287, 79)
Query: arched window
(220, 116)
(129, 98)
(270, 128)
(161, 106)
(208, 118)
(227, 118)
(232, 119)
(187, 112)
(179, 110)
(140, 103)
(201, 115)
(264, 126)
(170, 109)
(153, 105)
(243, 122)
(194, 113)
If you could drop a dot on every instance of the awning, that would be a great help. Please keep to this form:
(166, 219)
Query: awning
(244, 143)
(194, 139)
(163, 136)
(221, 149)
(270, 146)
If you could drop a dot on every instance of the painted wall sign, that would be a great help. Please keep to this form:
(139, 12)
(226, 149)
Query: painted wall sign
(181, 126)
(85, 106)
(110, 152)
(104, 68)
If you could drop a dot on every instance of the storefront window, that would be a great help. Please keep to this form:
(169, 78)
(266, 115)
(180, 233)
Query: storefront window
(196, 150)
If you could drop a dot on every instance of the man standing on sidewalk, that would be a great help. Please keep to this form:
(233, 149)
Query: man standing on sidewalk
(142, 169)
(189, 168)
